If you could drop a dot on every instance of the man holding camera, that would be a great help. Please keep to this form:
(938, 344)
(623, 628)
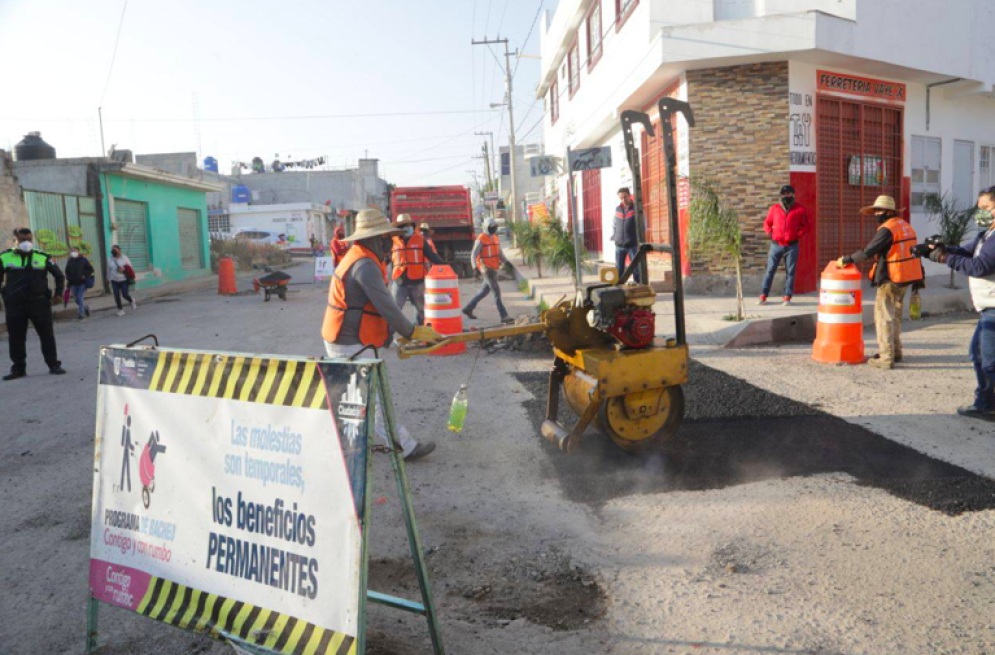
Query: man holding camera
(978, 263)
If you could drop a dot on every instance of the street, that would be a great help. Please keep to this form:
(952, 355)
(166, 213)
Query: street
(770, 527)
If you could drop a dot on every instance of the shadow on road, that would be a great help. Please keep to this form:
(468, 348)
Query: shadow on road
(736, 433)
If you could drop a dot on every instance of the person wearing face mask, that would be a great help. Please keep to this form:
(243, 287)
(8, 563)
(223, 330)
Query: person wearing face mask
(787, 222)
(897, 267)
(427, 232)
(488, 256)
(977, 261)
(24, 275)
(121, 275)
(79, 277)
(361, 311)
(408, 257)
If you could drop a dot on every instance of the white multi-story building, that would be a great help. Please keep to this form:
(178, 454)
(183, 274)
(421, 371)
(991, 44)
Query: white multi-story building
(843, 99)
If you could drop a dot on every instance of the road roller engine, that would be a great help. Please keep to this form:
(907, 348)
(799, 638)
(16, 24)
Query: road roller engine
(608, 361)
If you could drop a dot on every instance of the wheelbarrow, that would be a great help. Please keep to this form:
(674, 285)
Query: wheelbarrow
(146, 467)
(272, 284)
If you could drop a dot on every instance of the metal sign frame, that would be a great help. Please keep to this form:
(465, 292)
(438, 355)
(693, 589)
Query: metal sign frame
(379, 390)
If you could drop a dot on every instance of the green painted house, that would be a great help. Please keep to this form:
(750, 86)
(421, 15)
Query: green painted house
(159, 219)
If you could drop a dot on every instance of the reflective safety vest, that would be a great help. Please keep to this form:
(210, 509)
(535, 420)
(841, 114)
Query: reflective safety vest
(409, 257)
(903, 266)
(490, 250)
(373, 328)
(13, 260)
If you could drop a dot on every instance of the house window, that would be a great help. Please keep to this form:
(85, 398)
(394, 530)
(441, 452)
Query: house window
(573, 65)
(554, 103)
(623, 9)
(925, 169)
(505, 164)
(219, 223)
(594, 35)
(986, 168)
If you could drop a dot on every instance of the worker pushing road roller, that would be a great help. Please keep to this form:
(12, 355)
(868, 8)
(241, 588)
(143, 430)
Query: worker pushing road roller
(608, 361)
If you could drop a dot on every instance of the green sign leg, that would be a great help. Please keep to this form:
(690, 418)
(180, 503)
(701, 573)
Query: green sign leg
(92, 611)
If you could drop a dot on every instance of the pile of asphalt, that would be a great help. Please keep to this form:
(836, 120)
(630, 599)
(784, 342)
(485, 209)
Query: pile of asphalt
(735, 433)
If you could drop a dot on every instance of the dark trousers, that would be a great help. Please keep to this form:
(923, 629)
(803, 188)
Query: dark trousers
(120, 289)
(39, 312)
(983, 358)
(620, 256)
(490, 285)
(790, 255)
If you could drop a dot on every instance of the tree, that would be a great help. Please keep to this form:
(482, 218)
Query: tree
(714, 232)
(954, 223)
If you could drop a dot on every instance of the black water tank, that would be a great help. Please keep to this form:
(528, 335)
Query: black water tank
(33, 147)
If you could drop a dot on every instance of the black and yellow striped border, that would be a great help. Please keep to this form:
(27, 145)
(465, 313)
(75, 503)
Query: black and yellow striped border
(288, 383)
(219, 617)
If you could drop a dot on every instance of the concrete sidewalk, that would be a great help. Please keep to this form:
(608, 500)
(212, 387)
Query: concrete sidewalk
(709, 318)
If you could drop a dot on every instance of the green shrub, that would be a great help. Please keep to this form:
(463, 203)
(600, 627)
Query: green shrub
(558, 250)
(529, 237)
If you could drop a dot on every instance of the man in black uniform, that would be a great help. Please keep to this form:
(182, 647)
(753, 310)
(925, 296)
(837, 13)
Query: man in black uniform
(24, 275)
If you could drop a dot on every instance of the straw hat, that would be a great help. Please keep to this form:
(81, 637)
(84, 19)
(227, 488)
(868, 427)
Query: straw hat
(404, 219)
(426, 227)
(883, 202)
(372, 223)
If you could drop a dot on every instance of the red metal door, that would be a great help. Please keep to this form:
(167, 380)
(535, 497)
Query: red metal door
(591, 185)
(859, 148)
(655, 202)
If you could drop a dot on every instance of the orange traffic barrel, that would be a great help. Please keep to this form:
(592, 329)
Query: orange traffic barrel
(442, 306)
(226, 277)
(839, 335)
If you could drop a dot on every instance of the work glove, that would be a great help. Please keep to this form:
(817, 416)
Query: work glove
(918, 286)
(939, 255)
(840, 263)
(934, 241)
(426, 333)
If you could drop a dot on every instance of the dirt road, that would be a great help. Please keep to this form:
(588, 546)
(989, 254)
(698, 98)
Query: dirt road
(772, 527)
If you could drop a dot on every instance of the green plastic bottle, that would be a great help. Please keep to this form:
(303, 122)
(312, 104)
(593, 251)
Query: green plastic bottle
(457, 412)
(915, 306)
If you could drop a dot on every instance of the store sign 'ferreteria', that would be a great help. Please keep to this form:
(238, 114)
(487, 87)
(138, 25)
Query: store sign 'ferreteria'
(861, 86)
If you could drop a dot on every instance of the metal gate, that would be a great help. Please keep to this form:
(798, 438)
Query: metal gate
(655, 202)
(60, 222)
(131, 232)
(859, 157)
(191, 245)
(591, 185)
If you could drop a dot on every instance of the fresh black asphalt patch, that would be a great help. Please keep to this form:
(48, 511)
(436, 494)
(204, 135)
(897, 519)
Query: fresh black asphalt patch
(735, 433)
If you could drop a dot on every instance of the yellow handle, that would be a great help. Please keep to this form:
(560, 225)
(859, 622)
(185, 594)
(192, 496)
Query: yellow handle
(413, 348)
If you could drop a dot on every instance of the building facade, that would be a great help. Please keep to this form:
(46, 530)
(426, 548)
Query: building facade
(529, 188)
(844, 99)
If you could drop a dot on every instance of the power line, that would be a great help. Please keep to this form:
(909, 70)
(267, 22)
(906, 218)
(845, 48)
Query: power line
(528, 36)
(110, 69)
(262, 118)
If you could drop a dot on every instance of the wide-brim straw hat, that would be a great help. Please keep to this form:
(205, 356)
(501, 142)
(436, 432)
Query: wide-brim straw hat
(372, 223)
(404, 219)
(883, 202)
(426, 227)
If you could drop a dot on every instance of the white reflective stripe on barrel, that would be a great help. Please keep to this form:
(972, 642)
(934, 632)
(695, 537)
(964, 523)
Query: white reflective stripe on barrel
(442, 313)
(841, 285)
(441, 284)
(439, 299)
(841, 318)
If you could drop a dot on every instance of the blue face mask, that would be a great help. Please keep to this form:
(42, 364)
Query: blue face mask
(408, 231)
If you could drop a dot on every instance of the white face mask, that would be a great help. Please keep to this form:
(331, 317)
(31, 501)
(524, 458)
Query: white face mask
(74, 255)
(25, 246)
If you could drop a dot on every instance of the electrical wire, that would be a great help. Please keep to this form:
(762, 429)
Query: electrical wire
(265, 118)
(110, 69)
(528, 36)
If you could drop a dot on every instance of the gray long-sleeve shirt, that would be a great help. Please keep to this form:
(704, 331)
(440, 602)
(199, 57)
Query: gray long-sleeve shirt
(364, 283)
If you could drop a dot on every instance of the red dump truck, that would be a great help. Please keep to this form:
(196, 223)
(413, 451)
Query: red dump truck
(448, 210)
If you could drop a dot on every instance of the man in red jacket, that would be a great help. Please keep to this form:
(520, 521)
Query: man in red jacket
(786, 223)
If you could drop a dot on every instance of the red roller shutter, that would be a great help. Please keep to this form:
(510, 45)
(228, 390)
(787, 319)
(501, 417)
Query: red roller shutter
(591, 184)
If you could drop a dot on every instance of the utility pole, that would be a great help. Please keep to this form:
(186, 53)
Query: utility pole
(493, 153)
(513, 215)
(487, 166)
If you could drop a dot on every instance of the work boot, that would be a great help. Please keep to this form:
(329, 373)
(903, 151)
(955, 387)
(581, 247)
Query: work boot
(57, 370)
(506, 320)
(469, 314)
(877, 362)
(762, 300)
(13, 375)
(421, 450)
(973, 411)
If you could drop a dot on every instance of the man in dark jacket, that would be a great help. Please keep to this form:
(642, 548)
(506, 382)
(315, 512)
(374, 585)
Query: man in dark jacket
(24, 275)
(79, 272)
(624, 232)
(786, 223)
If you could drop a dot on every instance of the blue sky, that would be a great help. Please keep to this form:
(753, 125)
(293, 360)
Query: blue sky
(253, 59)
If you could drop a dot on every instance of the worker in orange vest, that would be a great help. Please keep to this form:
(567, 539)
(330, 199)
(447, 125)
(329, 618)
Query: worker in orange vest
(361, 311)
(897, 267)
(338, 245)
(488, 257)
(408, 257)
(427, 232)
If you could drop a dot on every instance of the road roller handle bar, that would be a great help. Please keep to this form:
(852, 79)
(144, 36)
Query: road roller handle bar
(413, 348)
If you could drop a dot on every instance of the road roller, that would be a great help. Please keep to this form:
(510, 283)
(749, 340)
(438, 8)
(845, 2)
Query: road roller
(609, 363)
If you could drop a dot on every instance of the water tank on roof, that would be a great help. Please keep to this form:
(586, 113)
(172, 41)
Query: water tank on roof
(211, 164)
(240, 194)
(33, 146)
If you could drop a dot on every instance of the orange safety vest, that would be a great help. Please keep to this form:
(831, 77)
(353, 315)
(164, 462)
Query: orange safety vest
(409, 257)
(903, 266)
(373, 329)
(490, 249)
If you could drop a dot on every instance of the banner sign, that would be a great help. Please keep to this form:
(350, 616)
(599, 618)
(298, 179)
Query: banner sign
(590, 159)
(544, 165)
(323, 267)
(228, 495)
(861, 86)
